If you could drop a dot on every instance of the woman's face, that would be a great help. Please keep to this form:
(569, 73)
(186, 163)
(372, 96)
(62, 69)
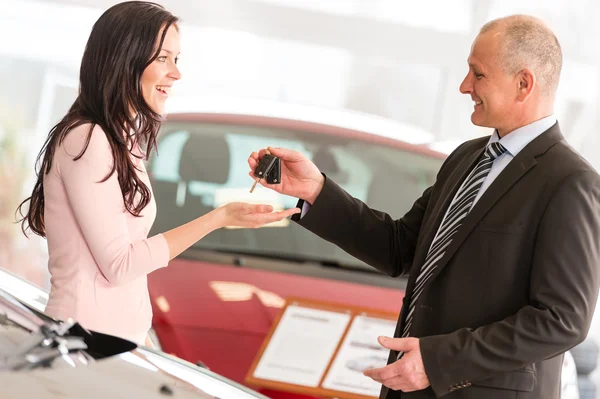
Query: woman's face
(159, 76)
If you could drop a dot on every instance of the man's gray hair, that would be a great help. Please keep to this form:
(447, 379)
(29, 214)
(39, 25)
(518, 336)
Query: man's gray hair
(528, 43)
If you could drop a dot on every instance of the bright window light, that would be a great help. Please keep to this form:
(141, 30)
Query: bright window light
(54, 33)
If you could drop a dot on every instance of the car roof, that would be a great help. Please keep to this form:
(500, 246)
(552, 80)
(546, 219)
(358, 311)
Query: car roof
(266, 113)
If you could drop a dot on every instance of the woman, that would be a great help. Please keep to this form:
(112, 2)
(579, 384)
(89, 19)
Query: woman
(92, 198)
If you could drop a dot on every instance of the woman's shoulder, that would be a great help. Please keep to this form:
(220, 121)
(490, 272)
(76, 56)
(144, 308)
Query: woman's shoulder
(76, 139)
(86, 143)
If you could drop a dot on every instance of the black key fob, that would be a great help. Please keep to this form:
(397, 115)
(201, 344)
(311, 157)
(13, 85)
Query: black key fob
(269, 168)
(274, 175)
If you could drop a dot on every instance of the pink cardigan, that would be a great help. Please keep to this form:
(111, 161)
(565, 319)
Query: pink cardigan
(99, 253)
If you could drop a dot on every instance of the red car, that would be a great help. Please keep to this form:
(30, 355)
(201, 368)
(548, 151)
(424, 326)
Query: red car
(217, 301)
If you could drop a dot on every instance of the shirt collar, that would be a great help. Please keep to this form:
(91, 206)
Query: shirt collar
(519, 138)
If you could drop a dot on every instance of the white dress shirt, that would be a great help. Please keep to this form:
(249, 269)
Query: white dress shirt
(514, 142)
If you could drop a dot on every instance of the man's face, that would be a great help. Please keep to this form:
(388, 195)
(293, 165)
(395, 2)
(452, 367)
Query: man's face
(494, 92)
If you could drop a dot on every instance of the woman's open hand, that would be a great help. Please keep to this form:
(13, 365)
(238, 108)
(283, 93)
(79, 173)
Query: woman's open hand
(240, 214)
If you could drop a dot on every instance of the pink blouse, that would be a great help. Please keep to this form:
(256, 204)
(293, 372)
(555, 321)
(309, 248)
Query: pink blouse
(99, 253)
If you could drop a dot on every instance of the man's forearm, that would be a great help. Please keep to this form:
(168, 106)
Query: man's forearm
(371, 236)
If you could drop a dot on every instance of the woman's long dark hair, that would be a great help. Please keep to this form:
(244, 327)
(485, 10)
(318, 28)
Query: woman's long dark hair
(120, 47)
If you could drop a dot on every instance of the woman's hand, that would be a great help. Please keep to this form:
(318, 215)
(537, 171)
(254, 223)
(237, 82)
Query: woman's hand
(240, 214)
(235, 214)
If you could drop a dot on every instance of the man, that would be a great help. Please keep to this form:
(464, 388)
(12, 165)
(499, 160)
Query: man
(502, 252)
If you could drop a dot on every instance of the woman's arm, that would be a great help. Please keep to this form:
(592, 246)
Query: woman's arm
(100, 212)
(234, 214)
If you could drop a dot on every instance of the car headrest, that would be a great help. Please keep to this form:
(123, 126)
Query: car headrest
(328, 164)
(394, 198)
(205, 158)
(325, 161)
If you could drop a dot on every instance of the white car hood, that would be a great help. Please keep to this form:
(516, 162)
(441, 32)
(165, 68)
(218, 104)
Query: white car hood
(127, 375)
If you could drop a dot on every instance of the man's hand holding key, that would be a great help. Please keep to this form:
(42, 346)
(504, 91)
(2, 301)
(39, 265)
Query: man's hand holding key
(299, 178)
(269, 168)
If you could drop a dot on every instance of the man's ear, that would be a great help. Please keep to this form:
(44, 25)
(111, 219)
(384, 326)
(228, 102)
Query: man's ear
(526, 81)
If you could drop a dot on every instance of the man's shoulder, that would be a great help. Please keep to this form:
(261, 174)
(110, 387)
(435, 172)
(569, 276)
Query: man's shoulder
(562, 156)
(474, 145)
(467, 148)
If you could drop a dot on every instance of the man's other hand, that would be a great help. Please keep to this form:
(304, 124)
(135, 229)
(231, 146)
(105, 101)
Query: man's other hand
(406, 374)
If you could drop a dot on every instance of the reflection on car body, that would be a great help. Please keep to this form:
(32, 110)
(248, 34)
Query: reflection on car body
(368, 362)
(43, 358)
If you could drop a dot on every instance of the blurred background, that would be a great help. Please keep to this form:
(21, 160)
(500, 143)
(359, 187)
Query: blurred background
(402, 60)
(396, 59)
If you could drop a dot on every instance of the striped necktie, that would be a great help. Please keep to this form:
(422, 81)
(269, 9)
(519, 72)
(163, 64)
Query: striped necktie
(460, 208)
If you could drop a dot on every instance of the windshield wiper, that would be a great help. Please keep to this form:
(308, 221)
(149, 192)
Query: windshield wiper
(238, 260)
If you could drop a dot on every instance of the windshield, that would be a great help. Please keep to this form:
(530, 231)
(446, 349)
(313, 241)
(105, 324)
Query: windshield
(200, 166)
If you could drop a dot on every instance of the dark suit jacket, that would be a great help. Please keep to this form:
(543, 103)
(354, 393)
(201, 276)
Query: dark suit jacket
(518, 284)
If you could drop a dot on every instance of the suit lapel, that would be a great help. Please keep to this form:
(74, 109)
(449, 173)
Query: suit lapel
(509, 176)
(519, 166)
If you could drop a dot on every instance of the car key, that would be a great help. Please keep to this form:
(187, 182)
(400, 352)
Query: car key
(269, 168)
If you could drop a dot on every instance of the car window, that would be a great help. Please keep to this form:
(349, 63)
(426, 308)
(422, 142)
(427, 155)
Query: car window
(200, 166)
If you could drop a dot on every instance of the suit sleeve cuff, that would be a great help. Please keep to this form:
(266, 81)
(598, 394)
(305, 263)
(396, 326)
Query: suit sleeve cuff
(440, 377)
(304, 207)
